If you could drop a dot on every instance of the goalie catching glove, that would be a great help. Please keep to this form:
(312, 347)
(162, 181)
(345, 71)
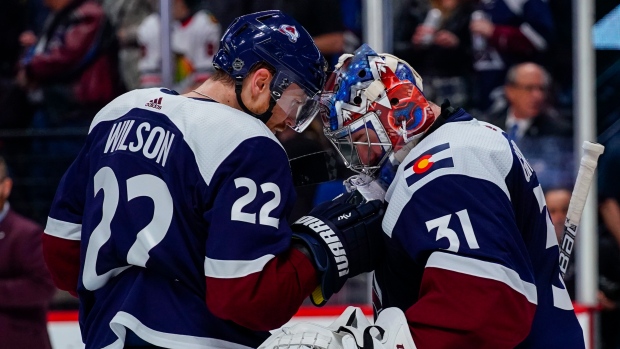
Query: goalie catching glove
(351, 330)
(344, 238)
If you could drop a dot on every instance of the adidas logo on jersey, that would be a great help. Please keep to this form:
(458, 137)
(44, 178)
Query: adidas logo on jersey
(154, 103)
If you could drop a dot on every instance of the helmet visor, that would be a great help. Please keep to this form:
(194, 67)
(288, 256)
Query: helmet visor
(300, 108)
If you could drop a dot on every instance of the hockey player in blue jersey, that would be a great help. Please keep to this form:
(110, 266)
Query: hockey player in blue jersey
(171, 224)
(471, 255)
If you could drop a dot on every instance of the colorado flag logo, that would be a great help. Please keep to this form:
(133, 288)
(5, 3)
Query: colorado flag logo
(433, 159)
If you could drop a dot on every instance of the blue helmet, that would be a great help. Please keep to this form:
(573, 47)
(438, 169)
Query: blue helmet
(279, 40)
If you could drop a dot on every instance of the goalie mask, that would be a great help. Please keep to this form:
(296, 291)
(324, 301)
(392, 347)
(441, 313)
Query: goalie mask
(372, 106)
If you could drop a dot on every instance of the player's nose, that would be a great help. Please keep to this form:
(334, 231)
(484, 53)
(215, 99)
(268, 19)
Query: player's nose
(290, 121)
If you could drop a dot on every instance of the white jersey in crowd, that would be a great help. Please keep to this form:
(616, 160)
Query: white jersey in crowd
(194, 43)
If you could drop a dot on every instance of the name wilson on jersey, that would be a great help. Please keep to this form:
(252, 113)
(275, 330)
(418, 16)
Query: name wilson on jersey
(153, 142)
(331, 239)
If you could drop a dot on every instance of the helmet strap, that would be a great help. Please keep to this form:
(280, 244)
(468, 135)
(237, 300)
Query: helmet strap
(264, 117)
(446, 111)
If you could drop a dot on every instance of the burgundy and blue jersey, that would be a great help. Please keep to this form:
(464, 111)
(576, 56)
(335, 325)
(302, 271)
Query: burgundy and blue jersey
(171, 223)
(472, 254)
(523, 31)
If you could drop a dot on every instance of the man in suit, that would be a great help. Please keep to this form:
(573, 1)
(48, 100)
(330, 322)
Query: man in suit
(26, 287)
(528, 119)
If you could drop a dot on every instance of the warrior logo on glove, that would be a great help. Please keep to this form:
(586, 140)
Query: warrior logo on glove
(341, 248)
(372, 106)
(331, 239)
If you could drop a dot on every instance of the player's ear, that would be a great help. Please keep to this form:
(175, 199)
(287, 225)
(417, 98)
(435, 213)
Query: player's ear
(509, 91)
(260, 81)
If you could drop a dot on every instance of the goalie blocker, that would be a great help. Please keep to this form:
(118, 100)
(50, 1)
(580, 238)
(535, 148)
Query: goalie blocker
(344, 239)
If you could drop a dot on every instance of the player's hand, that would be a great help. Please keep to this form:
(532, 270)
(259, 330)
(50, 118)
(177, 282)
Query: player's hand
(420, 33)
(445, 38)
(27, 38)
(345, 239)
(483, 27)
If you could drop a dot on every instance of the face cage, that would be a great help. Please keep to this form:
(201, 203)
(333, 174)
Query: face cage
(342, 140)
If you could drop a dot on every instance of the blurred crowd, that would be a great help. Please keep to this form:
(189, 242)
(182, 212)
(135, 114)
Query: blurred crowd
(508, 62)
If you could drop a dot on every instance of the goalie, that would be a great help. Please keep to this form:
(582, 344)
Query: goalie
(471, 253)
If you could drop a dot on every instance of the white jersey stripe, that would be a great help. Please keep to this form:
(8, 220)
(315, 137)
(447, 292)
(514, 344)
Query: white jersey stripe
(63, 230)
(123, 320)
(482, 269)
(540, 197)
(444, 154)
(222, 269)
(535, 38)
(552, 238)
(465, 154)
(561, 299)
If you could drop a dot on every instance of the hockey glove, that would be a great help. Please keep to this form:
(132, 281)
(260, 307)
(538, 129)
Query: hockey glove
(345, 239)
(351, 330)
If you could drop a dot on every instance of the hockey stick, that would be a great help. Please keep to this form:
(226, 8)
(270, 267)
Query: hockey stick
(578, 200)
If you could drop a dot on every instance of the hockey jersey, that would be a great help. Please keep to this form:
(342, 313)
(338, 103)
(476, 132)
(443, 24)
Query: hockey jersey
(523, 32)
(194, 44)
(472, 254)
(177, 210)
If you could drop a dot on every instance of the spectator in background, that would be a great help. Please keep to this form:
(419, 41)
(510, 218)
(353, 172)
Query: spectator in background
(13, 22)
(26, 287)
(609, 187)
(557, 200)
(512, 32)
(323, 19)
(609, 241)
(336, 25)
(528, 119)
(70, 73)
(37, 12)
(440, 46)
(126, 17)
(351, 11)
(13, 100)
(195, 40)
(74, 63)
(227, 10)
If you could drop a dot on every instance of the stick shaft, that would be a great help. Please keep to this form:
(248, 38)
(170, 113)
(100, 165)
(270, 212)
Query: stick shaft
(578, 198)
